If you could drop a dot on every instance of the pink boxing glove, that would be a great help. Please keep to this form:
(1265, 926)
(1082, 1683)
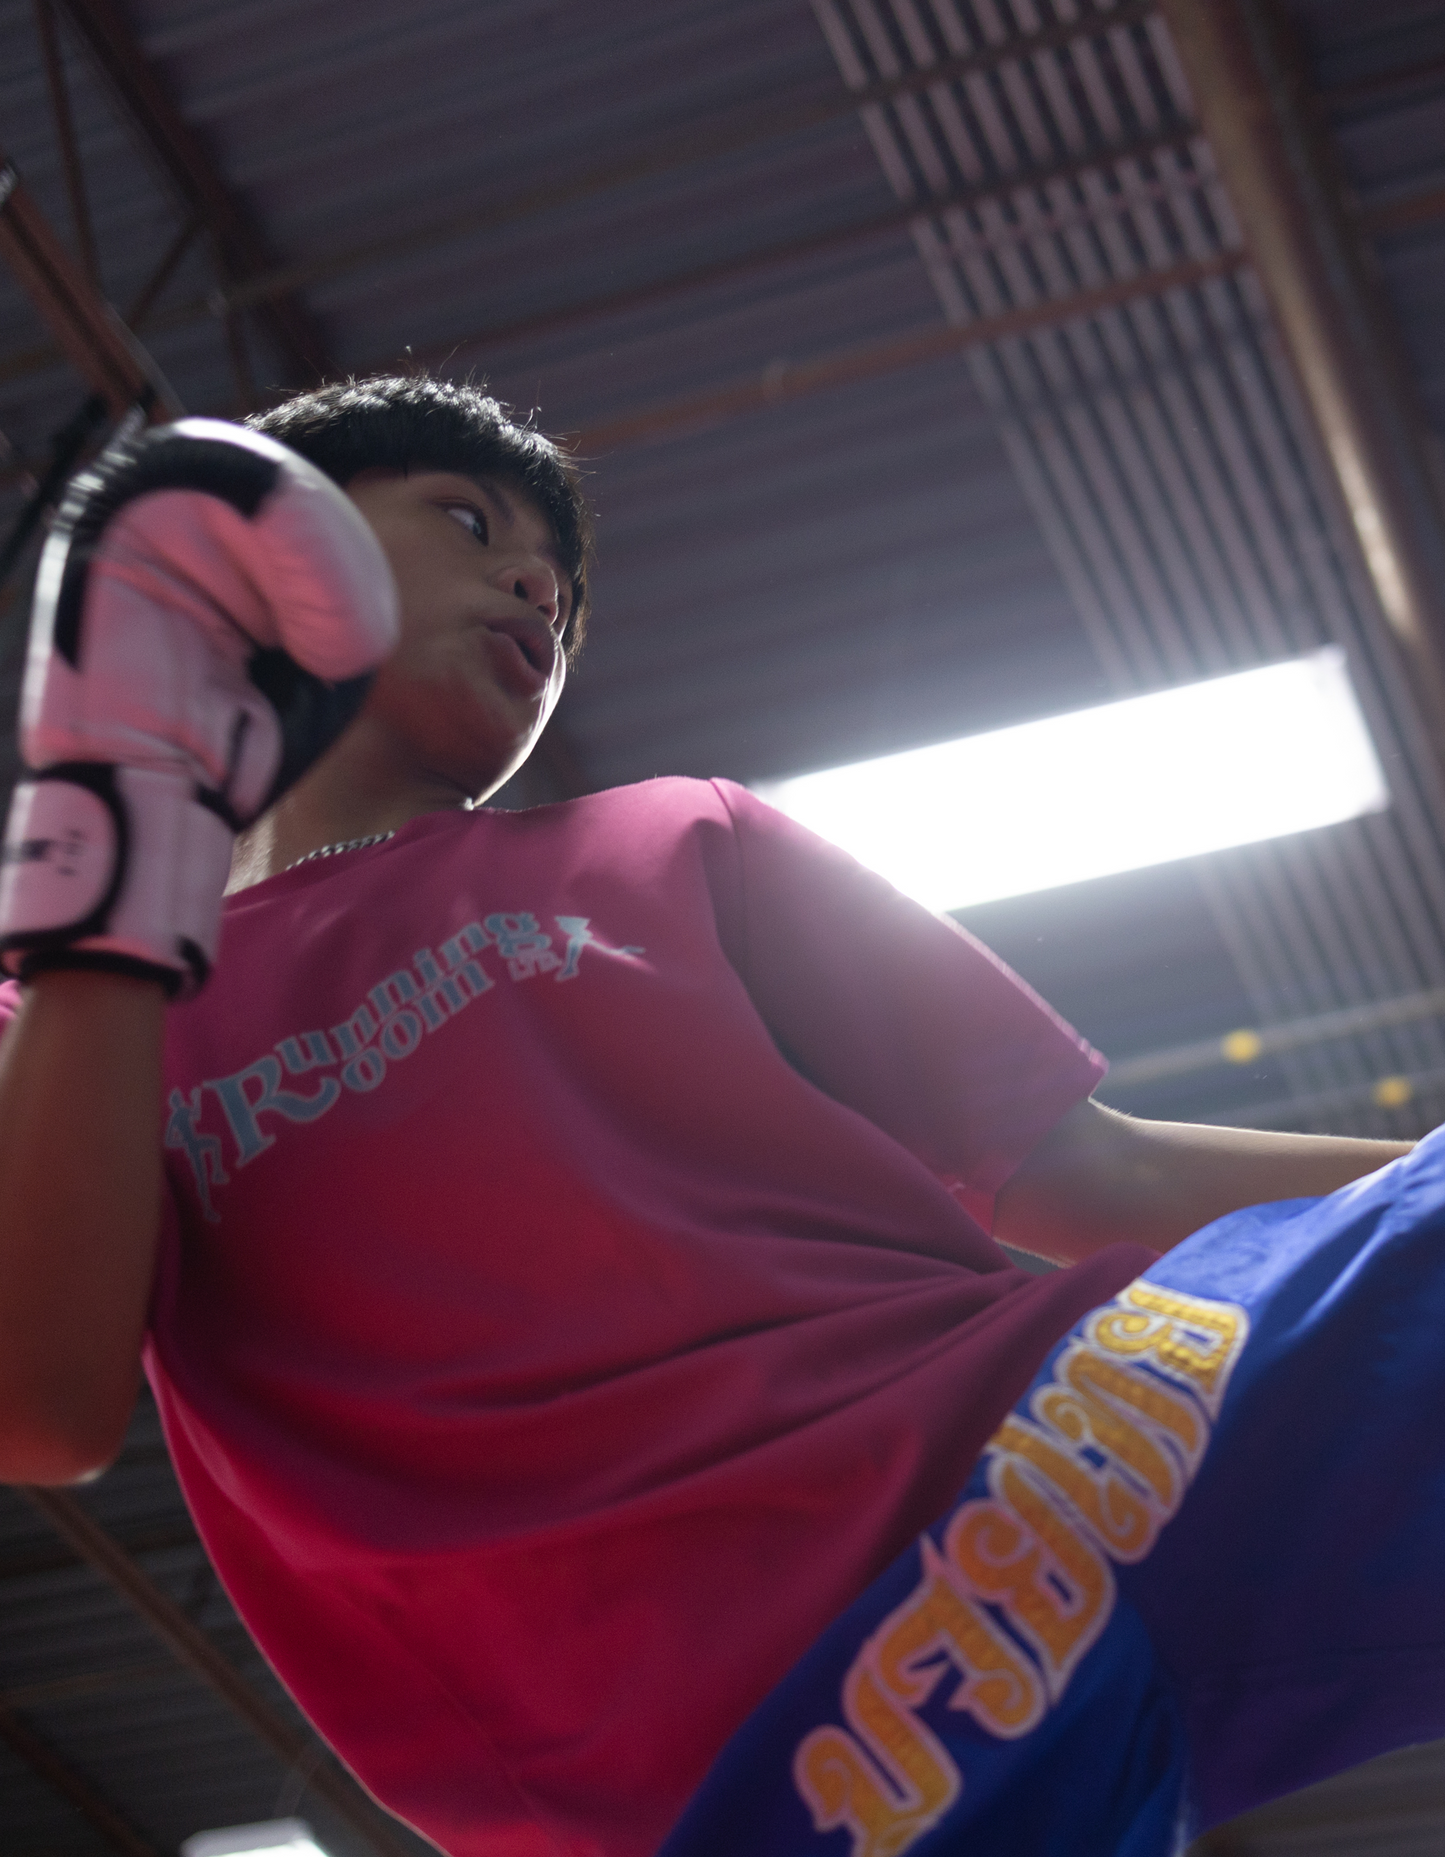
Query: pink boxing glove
(208, 610)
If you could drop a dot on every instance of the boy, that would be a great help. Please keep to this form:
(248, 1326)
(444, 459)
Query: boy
(568, 1295)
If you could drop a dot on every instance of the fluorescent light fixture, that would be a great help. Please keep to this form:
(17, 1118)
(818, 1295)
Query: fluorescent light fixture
(1197, 768)
(277, 1837)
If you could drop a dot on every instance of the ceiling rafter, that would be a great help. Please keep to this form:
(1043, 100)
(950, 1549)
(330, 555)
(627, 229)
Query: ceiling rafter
(88, 1800)
(198, 1653)
(738, 133)
(71, 164)
(970, 199)
(189, 167)
(27, 1562)
(752, 128)
(792, 380)
(89, 332)
(259, 283)
(124, 381)
(1247, 1044)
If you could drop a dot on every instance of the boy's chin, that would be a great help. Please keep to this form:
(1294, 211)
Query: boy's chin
(493, 776)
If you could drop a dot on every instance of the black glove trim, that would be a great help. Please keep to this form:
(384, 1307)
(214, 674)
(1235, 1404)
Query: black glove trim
(161, 459)
(97, 777)
(308, 708)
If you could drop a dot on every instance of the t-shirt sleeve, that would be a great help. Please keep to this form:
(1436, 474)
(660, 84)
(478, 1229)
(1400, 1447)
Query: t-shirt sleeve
(898, 1013)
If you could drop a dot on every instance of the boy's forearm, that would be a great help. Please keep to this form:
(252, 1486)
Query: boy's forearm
(80, 1185)
(1100, 1177)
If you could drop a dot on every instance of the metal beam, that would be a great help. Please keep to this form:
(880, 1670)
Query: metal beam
(747, 129)
(86, 1683)
(188, 165)
(1384, 87)
(89, 332)
(1404, 212)
(1337, 1107)
(733, 135)
(27, 361)
(93, 1806)
(26, 1563)
(70, 441)
(258, 284)
(1249, 87)
(1250, 1044)
(793, 380)
(970, 199)
(195, 1650)
(54, 59)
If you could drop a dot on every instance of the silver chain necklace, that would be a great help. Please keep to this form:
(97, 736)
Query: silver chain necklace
(351, 844)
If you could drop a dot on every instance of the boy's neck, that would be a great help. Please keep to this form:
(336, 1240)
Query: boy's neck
(342, 798)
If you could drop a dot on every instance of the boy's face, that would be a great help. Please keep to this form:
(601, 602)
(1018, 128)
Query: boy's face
(485, 600)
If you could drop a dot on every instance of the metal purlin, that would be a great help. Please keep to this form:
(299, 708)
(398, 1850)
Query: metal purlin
(1174, 474)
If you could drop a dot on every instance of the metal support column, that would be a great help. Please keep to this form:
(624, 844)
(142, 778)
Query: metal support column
(1251, 94)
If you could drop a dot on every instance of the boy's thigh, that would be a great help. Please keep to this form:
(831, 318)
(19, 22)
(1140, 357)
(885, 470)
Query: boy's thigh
(1298, 1603)
(1195, 1568)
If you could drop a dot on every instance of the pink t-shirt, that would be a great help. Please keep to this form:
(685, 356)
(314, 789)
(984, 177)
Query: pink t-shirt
(570, 1299)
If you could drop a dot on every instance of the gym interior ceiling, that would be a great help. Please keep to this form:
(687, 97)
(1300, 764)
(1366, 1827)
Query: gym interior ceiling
(939, 364)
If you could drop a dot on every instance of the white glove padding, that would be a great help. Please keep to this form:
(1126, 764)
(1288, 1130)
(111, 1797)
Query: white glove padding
(208, 609)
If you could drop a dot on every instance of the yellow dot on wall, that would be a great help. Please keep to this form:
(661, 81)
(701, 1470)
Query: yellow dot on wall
(1241, 1047)
(1390, 1092)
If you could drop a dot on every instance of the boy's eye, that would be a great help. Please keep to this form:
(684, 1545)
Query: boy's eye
(469, 518)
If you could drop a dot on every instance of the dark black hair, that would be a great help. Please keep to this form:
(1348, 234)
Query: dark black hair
(403, 422)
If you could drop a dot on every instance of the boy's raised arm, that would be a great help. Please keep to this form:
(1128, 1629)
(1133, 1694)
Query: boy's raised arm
(1099, 1177)
(208, 610)
(80, 1186)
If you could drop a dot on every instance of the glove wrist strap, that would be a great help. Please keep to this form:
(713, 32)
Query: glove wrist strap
(121, 862)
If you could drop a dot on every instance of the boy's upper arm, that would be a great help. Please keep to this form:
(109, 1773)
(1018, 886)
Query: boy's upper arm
(896, 1012)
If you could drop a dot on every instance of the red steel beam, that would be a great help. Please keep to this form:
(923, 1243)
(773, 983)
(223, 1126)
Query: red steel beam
(54, 61)
(1404, 212)
(753, 127)
(970, 199)
(793, 380)
(188, 165)
(84, 325)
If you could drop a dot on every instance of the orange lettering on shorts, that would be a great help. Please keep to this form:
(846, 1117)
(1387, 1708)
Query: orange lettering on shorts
(889, 1780)
(1000, 1687)
(844, 1791)
(1119, 1515)
(1104, 1403)
(1188, 1336)
(1133, 1393)
(1051, 1581)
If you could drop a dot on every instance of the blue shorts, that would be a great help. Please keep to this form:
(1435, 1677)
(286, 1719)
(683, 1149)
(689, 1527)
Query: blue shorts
(1201, 1563)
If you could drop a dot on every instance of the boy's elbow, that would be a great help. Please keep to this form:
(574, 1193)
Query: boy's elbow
(51, 1444)
(51, 1462)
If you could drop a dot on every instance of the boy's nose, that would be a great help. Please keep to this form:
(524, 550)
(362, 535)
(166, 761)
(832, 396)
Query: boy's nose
(534, 582)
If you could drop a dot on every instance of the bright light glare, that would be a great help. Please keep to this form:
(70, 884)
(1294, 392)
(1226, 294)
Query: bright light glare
(277, 1837)
(1197, 768)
